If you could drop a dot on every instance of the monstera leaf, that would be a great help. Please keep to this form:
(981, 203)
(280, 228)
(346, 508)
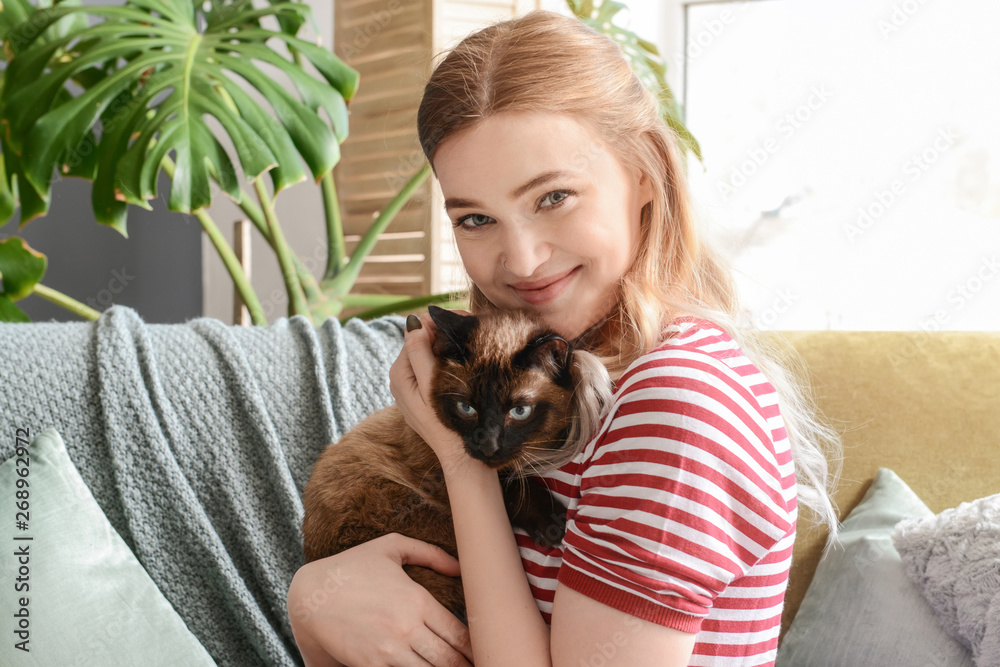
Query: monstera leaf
(17, 28)
(154, 74)
(21, 268)
(645, 60)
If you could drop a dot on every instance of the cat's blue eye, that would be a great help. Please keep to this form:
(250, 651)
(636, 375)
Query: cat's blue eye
(520, 412)
(466, 409)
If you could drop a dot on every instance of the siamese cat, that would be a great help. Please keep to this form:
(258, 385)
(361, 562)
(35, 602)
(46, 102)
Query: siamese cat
(523, 400)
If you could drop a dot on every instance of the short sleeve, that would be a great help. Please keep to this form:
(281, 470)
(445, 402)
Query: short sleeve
(681, 496)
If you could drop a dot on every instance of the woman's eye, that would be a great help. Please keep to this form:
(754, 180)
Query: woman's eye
(473, 220)
(520, 412)
(466, 409)
(556, 197)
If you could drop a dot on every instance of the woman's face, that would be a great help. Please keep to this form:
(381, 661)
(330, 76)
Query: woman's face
(543, 194)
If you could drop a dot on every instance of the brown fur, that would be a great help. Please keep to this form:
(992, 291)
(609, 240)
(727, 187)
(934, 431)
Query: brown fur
(382, 477)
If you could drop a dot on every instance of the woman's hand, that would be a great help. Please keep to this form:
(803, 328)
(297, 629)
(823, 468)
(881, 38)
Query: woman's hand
(410, 381)
(360, 608)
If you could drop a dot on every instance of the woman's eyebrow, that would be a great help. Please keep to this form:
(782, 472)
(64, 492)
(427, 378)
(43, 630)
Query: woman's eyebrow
(541, 179)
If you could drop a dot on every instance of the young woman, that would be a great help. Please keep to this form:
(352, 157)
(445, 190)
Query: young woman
(567, 195)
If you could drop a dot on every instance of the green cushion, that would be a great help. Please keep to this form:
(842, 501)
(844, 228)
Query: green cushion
(861, 608)
(88, 600)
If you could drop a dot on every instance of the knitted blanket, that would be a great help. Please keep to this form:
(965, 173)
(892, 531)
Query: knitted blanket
(197, 440)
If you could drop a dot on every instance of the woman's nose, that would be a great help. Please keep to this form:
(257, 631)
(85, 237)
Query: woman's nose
(523, 252)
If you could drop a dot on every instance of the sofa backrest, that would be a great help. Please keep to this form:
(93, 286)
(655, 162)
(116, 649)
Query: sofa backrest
(925, 404)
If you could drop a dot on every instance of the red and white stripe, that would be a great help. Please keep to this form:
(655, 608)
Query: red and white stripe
(682, 508)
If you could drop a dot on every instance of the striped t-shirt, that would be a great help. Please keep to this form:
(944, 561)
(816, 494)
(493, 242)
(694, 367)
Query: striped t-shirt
(682, 508)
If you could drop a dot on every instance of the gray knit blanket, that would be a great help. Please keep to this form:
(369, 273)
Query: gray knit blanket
(197, 440)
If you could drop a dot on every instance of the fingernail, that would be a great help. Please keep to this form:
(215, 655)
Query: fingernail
(412, 322)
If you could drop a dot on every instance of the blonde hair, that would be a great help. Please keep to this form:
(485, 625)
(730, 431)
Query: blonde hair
(543, 61)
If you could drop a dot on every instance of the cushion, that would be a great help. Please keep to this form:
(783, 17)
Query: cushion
(954, 559)
(861, 608)
(83, 595)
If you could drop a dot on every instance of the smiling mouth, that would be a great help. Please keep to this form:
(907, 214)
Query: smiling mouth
(544, 290)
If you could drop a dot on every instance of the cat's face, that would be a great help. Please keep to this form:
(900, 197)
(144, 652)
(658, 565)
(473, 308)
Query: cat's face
(503, 383)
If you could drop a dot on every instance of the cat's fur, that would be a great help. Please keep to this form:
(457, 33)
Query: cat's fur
(381, 477)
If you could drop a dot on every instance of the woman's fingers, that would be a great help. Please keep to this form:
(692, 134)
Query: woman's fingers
(417, 349)
(438, 651)
(412, 551)
(443, 624)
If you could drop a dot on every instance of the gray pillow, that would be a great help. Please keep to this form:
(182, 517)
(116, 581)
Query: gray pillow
(861, 610)
(954, 559)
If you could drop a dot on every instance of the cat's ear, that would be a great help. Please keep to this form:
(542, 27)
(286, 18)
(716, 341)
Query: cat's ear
(454, 331)
(549, 353)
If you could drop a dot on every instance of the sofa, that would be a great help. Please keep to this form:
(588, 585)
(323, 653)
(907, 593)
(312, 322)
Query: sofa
(168, 463)
(926, 406)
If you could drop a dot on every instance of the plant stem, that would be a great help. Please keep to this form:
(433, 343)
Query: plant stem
(228, 257)
(67, 302)
(296, 297)
(233, 265)
(405, 304)
(309, 283)
(345, 280)
(334, 228)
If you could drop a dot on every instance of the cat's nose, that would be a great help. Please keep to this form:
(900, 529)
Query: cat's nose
(488, 440)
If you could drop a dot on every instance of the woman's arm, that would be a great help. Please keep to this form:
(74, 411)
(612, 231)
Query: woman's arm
(588, 632)
(504, 621)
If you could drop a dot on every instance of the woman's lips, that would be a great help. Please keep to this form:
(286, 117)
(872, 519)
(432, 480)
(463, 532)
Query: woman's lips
(544, 290)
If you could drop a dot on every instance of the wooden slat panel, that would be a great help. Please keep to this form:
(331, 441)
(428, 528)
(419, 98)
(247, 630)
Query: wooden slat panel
(392, 44)
(401, 223)
(415, 215)
(404, 39)
(405, 139)
(381, 178)
(398, 93)
(375, 17)
(399, 247)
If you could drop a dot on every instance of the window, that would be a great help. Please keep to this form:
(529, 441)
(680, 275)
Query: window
(851, 154)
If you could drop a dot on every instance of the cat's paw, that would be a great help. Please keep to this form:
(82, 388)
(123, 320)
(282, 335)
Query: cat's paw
(549, 532)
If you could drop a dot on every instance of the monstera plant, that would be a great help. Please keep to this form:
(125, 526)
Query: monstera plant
(645, 60)
(115, 94)
(118, 93)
